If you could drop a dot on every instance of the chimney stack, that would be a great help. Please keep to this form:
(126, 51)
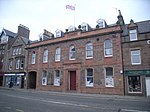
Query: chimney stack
(23, 31)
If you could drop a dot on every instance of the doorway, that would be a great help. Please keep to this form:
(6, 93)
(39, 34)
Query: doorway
(72, 80)
(32, 80)
(148, 86)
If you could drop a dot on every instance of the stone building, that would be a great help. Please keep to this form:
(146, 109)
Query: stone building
(136, 57)
(84, 60)
(6, 40)
(15, 59)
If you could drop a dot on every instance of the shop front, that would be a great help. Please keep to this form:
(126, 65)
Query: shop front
(14, 80)
(135, 82)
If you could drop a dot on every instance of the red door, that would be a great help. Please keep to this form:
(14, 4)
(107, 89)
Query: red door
(73, 80)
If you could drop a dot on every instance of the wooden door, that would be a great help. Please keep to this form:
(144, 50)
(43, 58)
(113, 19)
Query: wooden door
(73, 80)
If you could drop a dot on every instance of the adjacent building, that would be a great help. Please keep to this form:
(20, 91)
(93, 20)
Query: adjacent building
(136, 57)
(15, 60)
(84, 60)
(6, 40)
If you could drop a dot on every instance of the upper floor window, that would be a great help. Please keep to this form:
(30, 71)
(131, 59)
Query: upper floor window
(89, 77)
(57, 54)
(71, 28)
(45, 56)
(14, 51)
(108, 48)
(133, 35)
(72, 53)
(21, 64)
(17, 63)
(57, 78)
(33, 57)
(84, 27)
(10, 65)
(135, 57)
(4, 39)
(101, 23)
(89, 50)
(19, 51)
(109, 80)
(44, 77)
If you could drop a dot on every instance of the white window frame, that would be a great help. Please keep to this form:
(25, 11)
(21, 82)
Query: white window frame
(109, 80)
(44, 77)
(109, 48)
(57, 54)
(133, 35)
(10, 65)
(14, 51)
(57, 78)
(21, 63)
(134, 54)
(20, 49)
(17, 63)
(17, 51)
(89, 84)
(129, 85)
(45, 56)
(33, 57)
(72, 53)
(89, 45)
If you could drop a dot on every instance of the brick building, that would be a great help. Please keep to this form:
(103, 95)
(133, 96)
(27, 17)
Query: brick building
(85, 60)
(136, 57)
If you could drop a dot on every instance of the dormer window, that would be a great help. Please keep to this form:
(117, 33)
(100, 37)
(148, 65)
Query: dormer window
(133, 35)
(101, 23)
(58, 33)
(84, 27)
(71, 28)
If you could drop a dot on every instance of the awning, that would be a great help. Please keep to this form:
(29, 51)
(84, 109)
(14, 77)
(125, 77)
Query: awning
(136, 72)
(18, 74)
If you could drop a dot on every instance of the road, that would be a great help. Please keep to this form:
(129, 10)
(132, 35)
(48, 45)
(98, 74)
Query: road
(14, 100)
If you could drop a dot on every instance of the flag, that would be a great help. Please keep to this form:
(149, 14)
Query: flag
(70, 7)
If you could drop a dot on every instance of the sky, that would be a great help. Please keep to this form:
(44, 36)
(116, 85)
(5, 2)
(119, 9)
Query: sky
(52, 14)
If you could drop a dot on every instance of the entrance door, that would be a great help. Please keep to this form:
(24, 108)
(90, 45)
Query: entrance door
(32, 80)
(148, 86)
(73, 80)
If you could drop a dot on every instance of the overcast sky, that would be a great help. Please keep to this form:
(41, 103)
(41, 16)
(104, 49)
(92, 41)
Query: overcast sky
(52, 14)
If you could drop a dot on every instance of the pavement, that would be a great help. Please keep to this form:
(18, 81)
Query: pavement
(81, 94)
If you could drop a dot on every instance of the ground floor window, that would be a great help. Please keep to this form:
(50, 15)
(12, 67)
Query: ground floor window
(57, 78)
(134, 84)
(44, 78)
(89, 77)
(109, 80)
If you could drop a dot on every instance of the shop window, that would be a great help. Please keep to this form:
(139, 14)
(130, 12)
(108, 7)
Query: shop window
(89, 77)
(57, 54)
(72, 53)
(134, 84)
(109, 80)
(108, 52)
(133, 35)
(135, 57)
(45, 56)
(89, 50)
(57, 78)
(44, 77)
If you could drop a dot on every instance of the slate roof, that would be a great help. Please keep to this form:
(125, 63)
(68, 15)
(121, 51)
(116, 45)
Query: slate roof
(9, 33)
(143, 27)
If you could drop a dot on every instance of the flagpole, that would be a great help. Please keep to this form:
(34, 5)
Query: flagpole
(74, 14)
